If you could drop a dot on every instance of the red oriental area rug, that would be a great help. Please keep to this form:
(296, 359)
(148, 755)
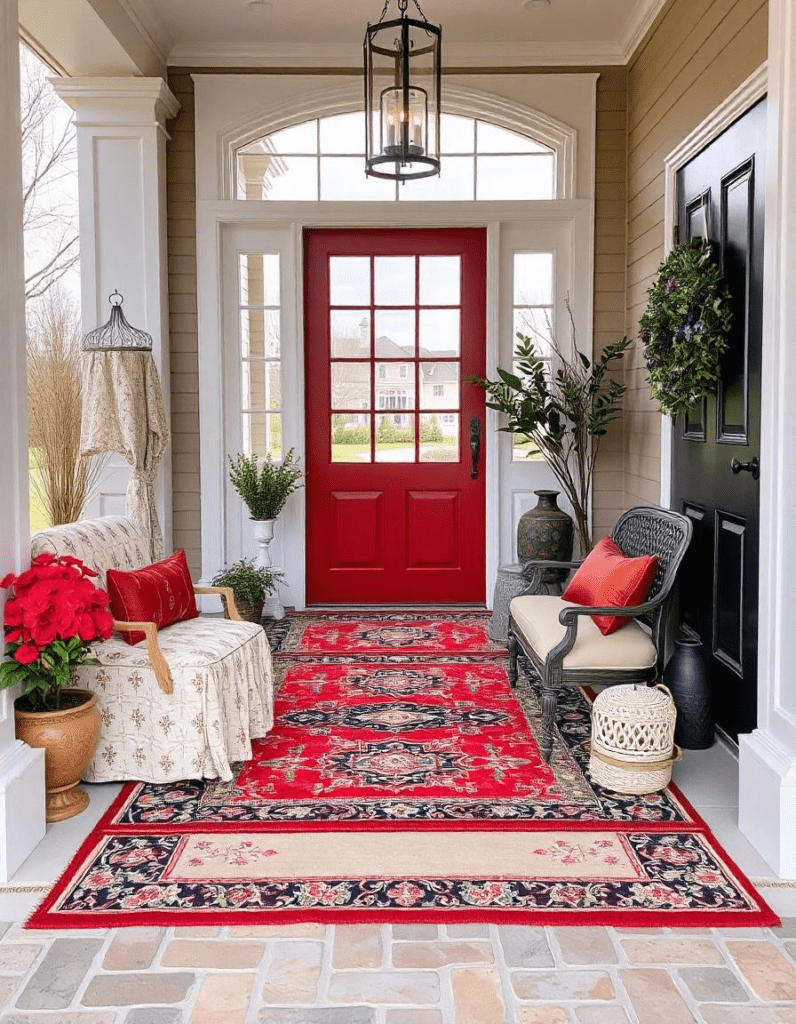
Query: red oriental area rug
(403, 791)
(346, 634)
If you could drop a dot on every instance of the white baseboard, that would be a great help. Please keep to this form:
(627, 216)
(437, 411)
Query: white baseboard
(22, 805)
(767, 799)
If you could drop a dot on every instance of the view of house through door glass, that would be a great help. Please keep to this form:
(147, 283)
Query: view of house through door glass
(395, 322)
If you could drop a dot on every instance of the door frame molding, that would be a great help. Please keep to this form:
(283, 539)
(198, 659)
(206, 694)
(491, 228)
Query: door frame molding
(767, 756)
(733, 107)
(213, 216)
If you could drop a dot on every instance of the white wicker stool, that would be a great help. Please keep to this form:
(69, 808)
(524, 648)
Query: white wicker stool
(632, 739)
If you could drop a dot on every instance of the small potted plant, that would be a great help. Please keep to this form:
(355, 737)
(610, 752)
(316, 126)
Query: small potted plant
(54, 614)
(250, 584)
(265, 486)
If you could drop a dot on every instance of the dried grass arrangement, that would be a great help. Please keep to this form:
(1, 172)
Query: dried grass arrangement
(63, 479)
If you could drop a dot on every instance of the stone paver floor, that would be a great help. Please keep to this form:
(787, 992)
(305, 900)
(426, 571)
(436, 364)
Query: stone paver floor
(398, 974)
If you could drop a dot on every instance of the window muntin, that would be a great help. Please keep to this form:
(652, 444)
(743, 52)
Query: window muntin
(259, 318)
(533, 315)
(323, 159)
(409, 389)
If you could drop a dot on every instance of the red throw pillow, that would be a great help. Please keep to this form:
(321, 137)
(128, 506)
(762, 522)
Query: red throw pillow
(161, 593)
(607, 577)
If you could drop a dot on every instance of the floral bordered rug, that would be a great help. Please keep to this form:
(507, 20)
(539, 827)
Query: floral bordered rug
(403, 790)
(347, 634)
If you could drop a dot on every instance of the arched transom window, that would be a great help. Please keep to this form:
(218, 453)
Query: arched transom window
(324, 159)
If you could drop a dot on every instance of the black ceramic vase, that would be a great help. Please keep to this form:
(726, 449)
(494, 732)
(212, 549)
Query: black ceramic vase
(686, 675)
(546, 531)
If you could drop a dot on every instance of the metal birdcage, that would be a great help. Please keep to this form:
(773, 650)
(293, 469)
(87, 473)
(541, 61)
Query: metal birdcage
(117, 335)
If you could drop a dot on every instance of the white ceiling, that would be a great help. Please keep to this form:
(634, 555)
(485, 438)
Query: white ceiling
(91, 37)
(501, 30)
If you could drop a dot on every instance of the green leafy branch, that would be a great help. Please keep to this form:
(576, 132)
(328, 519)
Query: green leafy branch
(563, 412)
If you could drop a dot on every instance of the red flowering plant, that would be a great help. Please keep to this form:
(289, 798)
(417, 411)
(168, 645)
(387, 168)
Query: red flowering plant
(54, 614)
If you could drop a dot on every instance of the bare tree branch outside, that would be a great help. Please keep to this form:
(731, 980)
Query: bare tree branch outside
(60, 478)
(49, 174)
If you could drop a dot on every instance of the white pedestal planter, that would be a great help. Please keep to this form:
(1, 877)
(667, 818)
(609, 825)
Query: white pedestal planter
(264, 534)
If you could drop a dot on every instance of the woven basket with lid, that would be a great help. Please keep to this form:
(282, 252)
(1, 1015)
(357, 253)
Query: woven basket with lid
(632, 742)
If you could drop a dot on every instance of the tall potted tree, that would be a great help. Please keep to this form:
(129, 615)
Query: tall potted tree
(563, 412)
(54, 614)
(265, 487)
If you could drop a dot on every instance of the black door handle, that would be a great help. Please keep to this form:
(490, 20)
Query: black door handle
(752, 467)
(475, 445)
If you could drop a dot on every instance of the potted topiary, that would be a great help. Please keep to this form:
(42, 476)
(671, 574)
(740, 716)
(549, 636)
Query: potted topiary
(250, 584)
(54, 614)
(265, 487)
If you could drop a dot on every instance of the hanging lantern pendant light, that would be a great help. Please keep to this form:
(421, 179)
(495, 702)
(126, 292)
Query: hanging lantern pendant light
(402, 96)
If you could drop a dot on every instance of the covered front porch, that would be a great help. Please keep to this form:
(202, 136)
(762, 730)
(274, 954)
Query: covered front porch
(176, 158)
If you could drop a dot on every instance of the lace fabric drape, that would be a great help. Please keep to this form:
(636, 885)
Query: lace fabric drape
(123, 412)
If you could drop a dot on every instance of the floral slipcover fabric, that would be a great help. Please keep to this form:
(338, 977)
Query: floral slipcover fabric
(223, 694)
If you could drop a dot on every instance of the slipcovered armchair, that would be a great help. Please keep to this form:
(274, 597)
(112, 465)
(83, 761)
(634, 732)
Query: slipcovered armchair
(564, 644)
(185, 702)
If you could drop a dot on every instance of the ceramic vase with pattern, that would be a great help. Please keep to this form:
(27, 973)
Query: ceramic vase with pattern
(546, 532)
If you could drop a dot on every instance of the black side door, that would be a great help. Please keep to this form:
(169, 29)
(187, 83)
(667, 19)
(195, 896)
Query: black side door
(716, 449)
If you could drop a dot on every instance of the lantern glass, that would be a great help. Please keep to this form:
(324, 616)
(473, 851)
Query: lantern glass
(395, 114)
(402, 99)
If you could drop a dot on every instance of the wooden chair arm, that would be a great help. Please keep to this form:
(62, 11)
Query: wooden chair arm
(230, 609)
(159, 663)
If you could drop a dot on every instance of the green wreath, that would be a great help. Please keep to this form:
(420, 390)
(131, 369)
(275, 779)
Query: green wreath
(684, 327)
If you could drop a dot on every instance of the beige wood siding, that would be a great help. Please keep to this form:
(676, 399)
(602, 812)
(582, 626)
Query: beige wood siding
(609, 291)
(609, 274)
(694, 56)
(181, 207)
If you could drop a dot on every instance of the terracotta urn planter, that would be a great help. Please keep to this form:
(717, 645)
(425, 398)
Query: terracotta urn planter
(69, 737)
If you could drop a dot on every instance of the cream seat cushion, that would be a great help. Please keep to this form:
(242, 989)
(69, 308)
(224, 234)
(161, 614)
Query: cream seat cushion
(536, 616)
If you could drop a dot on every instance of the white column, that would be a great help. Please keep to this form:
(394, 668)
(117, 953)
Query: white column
(22, 823)
(121, 149)
(767, 797)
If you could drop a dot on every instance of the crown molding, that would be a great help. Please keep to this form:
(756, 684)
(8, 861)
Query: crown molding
(150, 27)
(638, 24)
(313, 55)
(78, 92)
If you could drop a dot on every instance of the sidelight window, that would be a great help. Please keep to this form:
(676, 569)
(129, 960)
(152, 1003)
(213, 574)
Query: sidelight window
(533, 315)
(259, 310)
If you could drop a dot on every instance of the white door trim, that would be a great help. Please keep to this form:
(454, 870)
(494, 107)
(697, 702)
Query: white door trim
(736, 104)
(214, 215)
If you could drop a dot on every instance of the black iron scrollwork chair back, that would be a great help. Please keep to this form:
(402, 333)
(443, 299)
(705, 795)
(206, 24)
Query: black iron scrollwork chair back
(565, 646)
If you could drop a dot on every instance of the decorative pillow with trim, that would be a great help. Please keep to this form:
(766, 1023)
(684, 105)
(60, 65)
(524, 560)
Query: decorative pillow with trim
(161, 593)
(608, 577)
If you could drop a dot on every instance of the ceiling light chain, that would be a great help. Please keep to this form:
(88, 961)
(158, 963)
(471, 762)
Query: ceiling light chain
(402, 6)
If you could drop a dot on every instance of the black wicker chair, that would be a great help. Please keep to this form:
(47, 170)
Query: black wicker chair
(565, 646)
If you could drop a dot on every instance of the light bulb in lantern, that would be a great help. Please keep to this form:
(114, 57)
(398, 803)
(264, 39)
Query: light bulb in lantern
(395, 115)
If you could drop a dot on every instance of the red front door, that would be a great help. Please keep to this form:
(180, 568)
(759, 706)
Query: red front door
(395, 322)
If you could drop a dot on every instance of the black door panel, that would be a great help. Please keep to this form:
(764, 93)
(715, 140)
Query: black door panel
(720, 194)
